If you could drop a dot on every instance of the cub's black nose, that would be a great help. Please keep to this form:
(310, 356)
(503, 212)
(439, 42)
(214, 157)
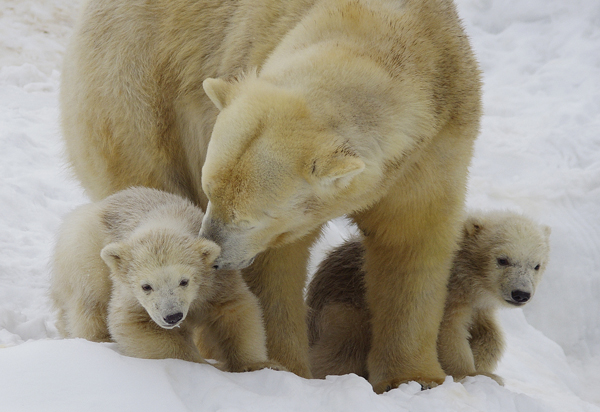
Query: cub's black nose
(520, 296)
(173, 318)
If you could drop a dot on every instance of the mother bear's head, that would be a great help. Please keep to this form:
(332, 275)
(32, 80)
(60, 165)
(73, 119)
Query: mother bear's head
(274, 171)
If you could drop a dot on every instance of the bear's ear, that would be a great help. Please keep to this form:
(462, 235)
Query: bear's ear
(218, 91)
(473, 225)
(115, 256)
(547, 230)
(208, 250)
(336, 168)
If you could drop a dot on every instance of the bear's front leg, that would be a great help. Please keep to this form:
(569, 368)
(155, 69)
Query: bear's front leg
(408, 252)
(406, 305)
(277, 278)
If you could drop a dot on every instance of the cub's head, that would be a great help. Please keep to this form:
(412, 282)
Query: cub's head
(273, 173)
(513, 251)
(165, 271)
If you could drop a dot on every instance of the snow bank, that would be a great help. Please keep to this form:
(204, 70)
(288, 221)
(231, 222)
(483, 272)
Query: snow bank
(75, 375)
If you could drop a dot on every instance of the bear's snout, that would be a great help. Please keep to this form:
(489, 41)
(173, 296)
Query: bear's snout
(220, 264)
(520, 296)
(173, 318)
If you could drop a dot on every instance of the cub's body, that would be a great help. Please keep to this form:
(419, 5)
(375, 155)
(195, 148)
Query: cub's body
(132, 269)
(501, 259)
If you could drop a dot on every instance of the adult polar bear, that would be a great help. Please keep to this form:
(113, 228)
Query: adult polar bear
(320, 108)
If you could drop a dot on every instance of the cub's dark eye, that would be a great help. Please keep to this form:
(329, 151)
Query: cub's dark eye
(146, 288)
(537, 267)
(502, 261)
(184, 282)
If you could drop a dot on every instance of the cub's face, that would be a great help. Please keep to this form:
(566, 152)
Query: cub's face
(165, 272)
(517, 273)
(517, 257)
(272, 173)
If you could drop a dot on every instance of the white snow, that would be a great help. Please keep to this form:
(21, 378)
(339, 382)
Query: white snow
(538, 153)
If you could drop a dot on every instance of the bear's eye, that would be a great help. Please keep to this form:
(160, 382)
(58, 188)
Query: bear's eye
(184, 282)
(537, 267)
(502, 261)
(146, 288)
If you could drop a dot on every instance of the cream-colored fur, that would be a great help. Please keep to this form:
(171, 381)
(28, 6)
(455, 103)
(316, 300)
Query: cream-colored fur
(132, 269)
(285, 114)
(501, 260)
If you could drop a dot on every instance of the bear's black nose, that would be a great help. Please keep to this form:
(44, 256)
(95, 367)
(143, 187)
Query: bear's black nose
(520, 296)
(173, 318)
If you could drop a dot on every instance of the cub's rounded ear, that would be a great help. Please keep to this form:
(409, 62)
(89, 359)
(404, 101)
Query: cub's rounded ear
(547, 230)
(115, 256)
(218, 91)
(336, 168)
(208, 250)
(473, 225)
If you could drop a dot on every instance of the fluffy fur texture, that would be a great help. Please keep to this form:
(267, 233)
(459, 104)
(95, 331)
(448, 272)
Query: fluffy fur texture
(132, 269)
(501, 260)
(285, 114)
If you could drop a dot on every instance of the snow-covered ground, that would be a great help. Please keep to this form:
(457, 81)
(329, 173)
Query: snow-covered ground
(539, 153)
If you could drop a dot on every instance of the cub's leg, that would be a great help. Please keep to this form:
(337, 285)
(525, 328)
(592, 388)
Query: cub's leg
(87, 320)
(487, 344)
(233, 330)
(454, 352)
(137, 335)
(80, 286)
(277, 278)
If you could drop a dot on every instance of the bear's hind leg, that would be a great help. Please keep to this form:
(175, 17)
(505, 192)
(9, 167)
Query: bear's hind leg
(343, 342)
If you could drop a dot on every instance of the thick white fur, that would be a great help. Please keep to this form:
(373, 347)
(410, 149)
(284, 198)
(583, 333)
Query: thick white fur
(501, 259)
(285, 114)
(126, 265)
(500, 262)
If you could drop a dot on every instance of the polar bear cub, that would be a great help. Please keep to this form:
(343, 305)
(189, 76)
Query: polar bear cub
(501, 258)
(132, 269)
